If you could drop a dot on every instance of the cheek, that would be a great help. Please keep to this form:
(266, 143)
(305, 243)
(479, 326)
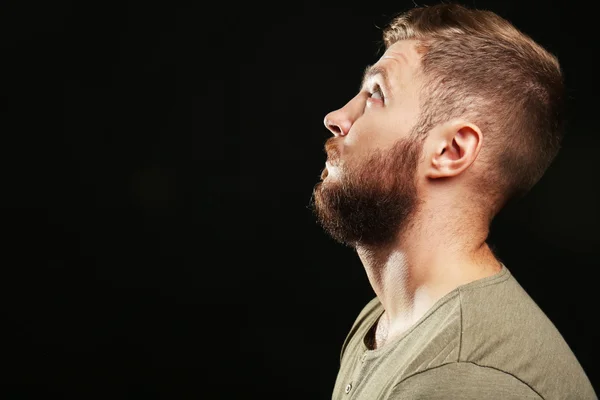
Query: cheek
(380, 135)
(363, 137)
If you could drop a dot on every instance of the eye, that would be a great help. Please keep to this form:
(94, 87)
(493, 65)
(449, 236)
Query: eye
(376, 93)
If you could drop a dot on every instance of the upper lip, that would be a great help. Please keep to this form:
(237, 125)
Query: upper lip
(333, 152)
(332, 162)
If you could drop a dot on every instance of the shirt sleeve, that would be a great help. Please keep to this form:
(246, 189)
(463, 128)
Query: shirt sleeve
(463, 380)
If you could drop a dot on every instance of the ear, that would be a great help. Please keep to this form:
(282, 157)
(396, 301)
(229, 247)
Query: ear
(455, 147)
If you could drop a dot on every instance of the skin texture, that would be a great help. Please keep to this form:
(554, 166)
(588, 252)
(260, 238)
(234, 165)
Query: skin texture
(405, 205)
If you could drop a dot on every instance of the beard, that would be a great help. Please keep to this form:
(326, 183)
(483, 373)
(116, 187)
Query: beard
(372, 200)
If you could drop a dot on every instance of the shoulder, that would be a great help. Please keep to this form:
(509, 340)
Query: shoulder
(502, 327)
(501, 320)
(463, 380)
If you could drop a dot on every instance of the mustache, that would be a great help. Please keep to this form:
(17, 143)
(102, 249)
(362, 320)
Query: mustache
(332, 149)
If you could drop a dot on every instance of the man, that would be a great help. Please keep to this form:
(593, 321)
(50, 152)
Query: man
(460, 115)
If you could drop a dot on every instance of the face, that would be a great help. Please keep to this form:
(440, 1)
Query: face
(368, 190)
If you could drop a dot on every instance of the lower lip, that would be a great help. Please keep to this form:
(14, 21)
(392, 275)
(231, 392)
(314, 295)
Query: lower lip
(330, 169)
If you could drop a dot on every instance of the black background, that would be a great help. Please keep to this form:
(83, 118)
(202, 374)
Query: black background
(158, 163)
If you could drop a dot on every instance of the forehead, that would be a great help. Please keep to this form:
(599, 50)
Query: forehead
(401, 58)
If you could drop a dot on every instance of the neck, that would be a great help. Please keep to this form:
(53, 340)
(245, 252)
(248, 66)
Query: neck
(424, 264)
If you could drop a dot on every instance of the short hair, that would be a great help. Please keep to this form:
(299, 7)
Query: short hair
(476, 64)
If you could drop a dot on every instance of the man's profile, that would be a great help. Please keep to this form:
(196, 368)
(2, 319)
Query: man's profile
(461, 114)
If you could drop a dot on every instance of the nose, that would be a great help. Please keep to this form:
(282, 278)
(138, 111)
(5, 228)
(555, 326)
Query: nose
(340, 121)
(337, 126)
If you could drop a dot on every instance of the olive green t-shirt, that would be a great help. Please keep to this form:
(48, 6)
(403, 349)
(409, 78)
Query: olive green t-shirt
(486, 339)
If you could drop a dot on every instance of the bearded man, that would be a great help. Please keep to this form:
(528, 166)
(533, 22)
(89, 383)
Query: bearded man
(461, 114)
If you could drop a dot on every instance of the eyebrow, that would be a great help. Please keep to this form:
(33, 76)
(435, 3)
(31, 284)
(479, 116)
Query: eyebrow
(373, 70)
